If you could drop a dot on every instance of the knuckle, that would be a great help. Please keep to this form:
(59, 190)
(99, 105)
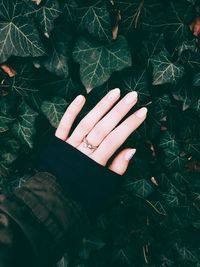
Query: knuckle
(84, 126)
(98, 132)
(117, 112)
(110, 141)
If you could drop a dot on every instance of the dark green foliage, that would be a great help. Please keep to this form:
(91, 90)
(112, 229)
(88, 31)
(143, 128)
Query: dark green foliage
(53, 50)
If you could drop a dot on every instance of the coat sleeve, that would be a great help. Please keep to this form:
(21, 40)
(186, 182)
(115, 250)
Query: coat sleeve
(49, 213)
(38, 223)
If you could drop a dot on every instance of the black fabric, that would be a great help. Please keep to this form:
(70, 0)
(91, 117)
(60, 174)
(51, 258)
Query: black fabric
(82, 178)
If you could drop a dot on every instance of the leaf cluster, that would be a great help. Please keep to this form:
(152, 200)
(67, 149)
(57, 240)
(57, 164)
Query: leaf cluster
(52, 50)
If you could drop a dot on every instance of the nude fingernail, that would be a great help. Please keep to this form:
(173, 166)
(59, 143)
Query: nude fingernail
(129, 154)
(131, 97)
(78, 100)
(141, 112)
(113, 94)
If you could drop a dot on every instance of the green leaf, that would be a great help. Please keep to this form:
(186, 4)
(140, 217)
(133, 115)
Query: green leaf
(171, 200)
(190, 59)
(23, 83)
(96, 19)
(184, 92)
(138, 12)
(160, 107)
(45, 14)
(194, 148)
(168, 141)
(152, 46)
(3, 127)
(24, 127)
(136, 80)
(174, 22)
(186, 45)
(196, 79)
(142, 187)
(158, 207)
(98, 62)
(164, 70)
(5, 120)
(54, 110)
(60, 51)
(175, 159)
(19, 36)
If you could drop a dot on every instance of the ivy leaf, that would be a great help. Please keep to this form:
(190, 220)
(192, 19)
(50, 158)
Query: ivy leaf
(174, 156)
(194, 148)
(164, 71)
(138, 12)
(160, 107)
(54, 110)
(23, 83)
(171, 200)
(142, 187)
(158, 207)
(96, 19)
(174, 22)
(152, 46)
(175, 159)
(60, 48)
(190, 59)
(186, 45)
(168, 141)
(5, 120)
(94, 69)
(136, 80)
(45, 14)
(24, 127)
(70, 8)
(19, 36)
(183, 92)
(196, 79)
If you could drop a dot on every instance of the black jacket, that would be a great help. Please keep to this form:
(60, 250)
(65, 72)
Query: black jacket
(49, 213)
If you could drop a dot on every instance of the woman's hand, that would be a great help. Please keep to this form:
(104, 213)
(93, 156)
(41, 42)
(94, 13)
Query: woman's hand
(100, 130)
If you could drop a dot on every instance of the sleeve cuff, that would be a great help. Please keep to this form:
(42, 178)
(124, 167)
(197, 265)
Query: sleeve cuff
(82, 178)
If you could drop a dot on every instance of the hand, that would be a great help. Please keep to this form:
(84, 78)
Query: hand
(101, 130)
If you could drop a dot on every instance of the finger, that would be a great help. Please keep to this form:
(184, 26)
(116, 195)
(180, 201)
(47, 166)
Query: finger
(108, 123)
(69, 117)
(121, 161)
(88, 122)
(118, 136)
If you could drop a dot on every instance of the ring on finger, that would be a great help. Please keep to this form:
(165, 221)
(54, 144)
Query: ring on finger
(88, 145)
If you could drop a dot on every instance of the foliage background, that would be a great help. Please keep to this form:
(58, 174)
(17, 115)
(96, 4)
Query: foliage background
(52, 50)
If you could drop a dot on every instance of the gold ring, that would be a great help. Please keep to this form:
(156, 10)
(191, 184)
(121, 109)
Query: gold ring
(87, 144)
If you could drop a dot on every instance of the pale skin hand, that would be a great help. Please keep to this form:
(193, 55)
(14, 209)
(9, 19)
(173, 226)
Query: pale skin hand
(101, 130)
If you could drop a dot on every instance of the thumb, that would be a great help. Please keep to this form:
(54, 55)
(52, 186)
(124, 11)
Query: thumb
(121, 161)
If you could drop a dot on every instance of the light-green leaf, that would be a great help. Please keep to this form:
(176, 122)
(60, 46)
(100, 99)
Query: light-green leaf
(24, 127)
(96, 19)
(141, 187)
(98, 62)
(19, 36)
(54, 110)
(164, 70)
(45, 14)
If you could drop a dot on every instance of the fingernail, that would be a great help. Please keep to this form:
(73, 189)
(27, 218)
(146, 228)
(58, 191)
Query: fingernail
(129, 154)
(131, 97)
(113, 94)
(141, 112)
(78, 100)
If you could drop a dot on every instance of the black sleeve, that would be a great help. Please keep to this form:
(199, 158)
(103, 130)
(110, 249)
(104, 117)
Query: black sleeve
(82, 178)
